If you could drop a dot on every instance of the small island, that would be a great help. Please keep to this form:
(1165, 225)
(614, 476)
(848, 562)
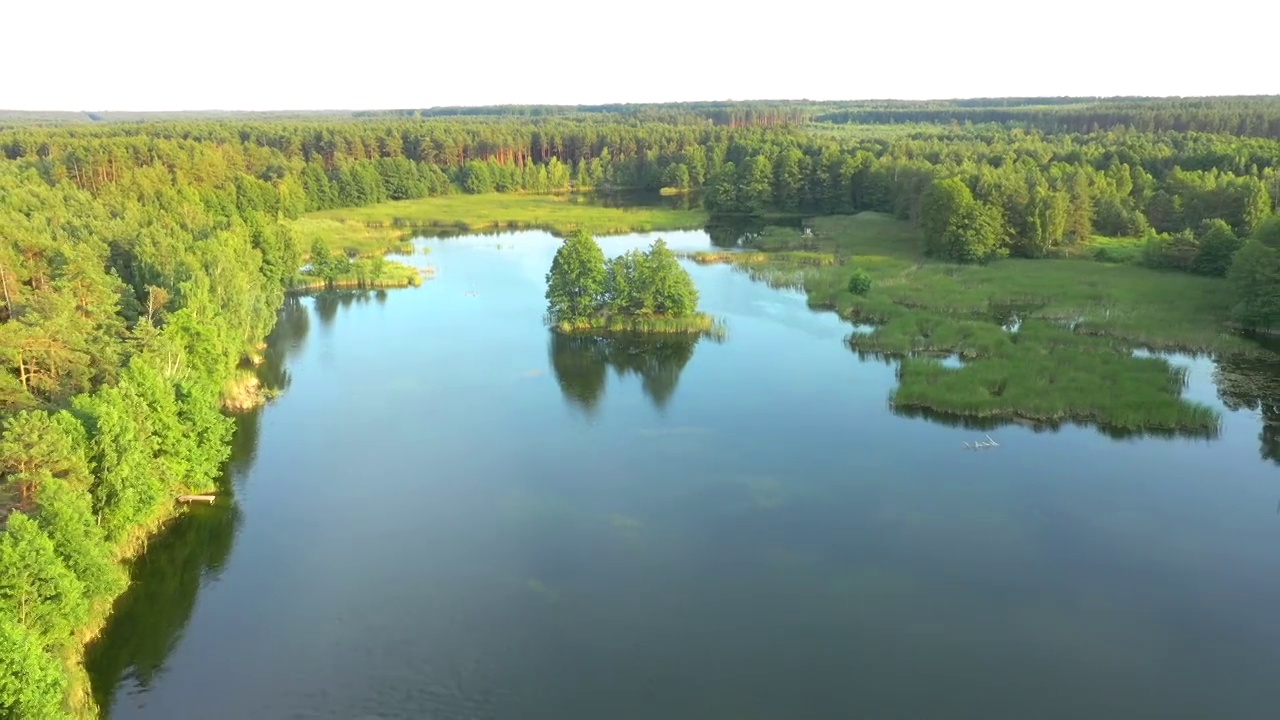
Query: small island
(635, 292)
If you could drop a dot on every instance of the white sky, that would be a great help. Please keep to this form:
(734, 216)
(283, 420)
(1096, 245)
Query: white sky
(374, 54)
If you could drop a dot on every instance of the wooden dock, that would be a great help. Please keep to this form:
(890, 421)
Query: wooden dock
(197, 498)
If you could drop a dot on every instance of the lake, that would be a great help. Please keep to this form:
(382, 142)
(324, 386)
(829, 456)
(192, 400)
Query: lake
(450, 513)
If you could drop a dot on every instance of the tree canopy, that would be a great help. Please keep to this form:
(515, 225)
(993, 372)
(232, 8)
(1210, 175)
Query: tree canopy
(583, 289)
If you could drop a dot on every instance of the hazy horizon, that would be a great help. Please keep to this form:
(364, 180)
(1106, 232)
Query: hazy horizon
(391, 109)
(288, 56)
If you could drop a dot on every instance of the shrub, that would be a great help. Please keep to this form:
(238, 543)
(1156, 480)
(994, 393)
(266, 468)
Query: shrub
(860, 283)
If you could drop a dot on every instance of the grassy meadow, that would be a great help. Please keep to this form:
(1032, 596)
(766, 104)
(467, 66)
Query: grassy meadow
(386, 225)
(1044, 340)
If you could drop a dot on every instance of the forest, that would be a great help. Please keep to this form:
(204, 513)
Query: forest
(143, 261)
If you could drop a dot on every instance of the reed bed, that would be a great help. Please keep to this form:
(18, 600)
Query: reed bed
(697, 324)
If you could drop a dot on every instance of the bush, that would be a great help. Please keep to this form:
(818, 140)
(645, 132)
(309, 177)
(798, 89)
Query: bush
(860, 283)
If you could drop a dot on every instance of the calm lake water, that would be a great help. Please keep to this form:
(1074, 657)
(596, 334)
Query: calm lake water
(451, 514)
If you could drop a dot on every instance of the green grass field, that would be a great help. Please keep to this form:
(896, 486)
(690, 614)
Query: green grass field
(1077, 322)
(377, 227)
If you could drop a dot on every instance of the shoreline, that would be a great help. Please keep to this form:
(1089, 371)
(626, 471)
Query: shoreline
(701, 324)
(80, 701)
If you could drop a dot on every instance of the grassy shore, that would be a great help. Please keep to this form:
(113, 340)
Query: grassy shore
(373, 227)
(1044, 340)
(695, 324)
(393, 275)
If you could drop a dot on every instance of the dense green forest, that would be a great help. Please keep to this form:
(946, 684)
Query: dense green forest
(142, 262)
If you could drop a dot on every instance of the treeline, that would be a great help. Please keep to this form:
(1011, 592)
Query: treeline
(1045, 191)
(1257, 116)
(1246, 116)
(291, 167)
(127, 301)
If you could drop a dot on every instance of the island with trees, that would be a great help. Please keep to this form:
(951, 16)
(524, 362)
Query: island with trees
(638, 291)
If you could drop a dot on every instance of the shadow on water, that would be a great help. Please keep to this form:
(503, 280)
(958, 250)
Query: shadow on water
(735, 231)
(640, 198)
(581, 363)
(329, 302)
(1253, 384)
(286, 341)
(148, 619)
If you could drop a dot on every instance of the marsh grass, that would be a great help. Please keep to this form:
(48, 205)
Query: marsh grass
(394, 275)
(351, 237)
(1057, 377)
(1047, 340)
(559, 214)
(700, 324)
(730, 257)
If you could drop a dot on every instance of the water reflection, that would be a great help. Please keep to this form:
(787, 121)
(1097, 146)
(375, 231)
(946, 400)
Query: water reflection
(328, 302)
(148, 619)
(1253, 384)
(580, 363)
(286, 340)
(641, 198)
(731, 231)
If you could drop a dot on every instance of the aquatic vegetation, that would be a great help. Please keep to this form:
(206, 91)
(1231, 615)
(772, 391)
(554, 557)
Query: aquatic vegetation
(699, 324)
(1045, 341)
(363, 274)
(1078, 379)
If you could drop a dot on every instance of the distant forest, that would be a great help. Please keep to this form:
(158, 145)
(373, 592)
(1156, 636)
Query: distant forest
(1254, 116)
